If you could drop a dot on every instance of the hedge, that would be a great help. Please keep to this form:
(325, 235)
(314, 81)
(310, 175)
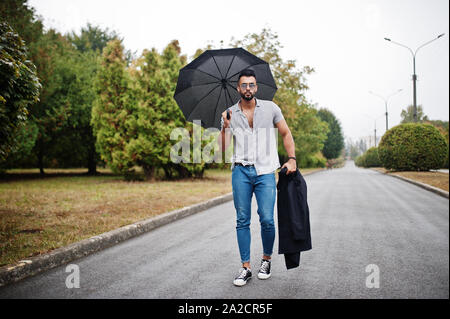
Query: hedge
(413, 147)
(369, 158)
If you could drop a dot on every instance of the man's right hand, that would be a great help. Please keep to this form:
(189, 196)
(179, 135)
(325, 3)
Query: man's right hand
(226, 122)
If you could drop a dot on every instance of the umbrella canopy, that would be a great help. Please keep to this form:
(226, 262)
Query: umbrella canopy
(207, 86)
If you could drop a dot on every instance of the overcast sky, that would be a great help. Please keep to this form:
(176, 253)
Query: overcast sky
(341, 39)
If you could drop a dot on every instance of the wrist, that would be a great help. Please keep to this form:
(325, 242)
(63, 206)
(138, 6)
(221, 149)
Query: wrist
(290, 158)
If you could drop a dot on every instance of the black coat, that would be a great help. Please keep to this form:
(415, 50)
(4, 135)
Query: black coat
(294, 231)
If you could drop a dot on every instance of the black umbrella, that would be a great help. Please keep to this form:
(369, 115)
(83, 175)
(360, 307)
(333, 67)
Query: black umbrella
(207, 86)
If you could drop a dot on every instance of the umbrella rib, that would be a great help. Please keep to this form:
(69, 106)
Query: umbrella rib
(196, 105)
(231, 100)
(208, 74)
(229, 67)
(216, 65)
(229, 95)
(226, 102)
(192, 86)
(217, 104)
(234, 88)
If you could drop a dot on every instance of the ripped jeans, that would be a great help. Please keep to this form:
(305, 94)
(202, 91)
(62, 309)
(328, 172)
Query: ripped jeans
(245, 182)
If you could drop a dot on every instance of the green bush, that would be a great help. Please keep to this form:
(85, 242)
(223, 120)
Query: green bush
(360, 161)
(369, 158)
(310, 161)
(413, 147)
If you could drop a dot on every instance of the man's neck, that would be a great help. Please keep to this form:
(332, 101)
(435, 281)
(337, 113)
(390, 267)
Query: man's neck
(248, 105)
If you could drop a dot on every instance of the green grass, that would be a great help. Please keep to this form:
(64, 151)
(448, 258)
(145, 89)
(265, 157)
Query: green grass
(40, 214)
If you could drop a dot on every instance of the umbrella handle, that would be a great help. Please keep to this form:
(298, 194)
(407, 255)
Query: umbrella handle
(228, 114)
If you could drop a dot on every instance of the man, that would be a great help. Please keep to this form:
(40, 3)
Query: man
(252, 123)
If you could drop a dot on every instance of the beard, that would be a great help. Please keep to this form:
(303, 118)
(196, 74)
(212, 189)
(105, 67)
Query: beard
(247, 96)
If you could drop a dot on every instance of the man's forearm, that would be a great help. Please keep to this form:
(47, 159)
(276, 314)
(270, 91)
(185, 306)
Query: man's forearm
(289, 144)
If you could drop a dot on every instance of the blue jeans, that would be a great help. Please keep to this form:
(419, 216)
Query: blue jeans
(245, 182)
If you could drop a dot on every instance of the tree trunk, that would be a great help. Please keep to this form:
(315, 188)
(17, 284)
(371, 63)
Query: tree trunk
(92, 163)
(183, 172)
(149, 172)
(40, 157)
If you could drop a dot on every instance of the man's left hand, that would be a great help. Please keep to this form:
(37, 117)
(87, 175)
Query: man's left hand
(291, 166)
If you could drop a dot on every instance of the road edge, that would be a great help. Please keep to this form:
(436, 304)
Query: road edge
(60, 256)
(430, 188)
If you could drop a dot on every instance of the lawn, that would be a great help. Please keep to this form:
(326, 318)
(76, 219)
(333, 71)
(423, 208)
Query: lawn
(41, 214)
(436, 179)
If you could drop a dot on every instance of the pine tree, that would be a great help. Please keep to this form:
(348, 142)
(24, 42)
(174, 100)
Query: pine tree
(334, 143)
(112, 109)
(157, 113)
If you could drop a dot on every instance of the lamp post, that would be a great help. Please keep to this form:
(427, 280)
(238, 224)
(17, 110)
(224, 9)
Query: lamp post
(386, 103)
(375, 126)
(414, 68)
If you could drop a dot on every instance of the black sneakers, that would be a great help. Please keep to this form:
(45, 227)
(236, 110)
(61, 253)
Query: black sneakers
(245, 275)
(264, 270)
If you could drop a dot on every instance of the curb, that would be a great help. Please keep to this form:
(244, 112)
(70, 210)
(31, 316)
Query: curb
(60, 256)
(430, 188)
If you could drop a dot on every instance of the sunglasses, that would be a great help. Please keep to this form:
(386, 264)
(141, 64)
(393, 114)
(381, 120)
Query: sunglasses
(250, 85)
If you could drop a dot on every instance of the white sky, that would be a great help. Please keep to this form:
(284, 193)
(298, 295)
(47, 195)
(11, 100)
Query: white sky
(341, 39)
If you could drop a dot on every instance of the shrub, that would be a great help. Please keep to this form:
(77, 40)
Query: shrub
(413, 147)
(371, 158)
(316, 160)
(360, 161)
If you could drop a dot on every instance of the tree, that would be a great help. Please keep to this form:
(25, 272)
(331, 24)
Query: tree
(51, 113)
(23, 20)
(92, 38)
(354, 149)
(72, 143)
(112, 107)
(42, 48)
(334, 143)
(442, 126)
(408, 115)
(19, 87)
(362, 146)
(155, 77)
(89, 43)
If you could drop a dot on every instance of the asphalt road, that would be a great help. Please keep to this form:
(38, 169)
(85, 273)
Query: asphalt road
(358, 218)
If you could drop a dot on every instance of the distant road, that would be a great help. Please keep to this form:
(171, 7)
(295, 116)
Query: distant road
(358, 218)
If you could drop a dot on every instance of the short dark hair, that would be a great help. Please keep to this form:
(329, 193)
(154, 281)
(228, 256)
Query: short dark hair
(247, 72)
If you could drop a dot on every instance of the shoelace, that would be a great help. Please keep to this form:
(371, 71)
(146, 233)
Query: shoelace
(265, 266)
(242, 274)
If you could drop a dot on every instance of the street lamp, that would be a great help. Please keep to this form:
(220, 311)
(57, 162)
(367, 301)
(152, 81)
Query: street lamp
(386, 102)
(375, 126)
(414, 68)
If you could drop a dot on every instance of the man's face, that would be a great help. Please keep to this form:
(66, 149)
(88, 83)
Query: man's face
(247, 87)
